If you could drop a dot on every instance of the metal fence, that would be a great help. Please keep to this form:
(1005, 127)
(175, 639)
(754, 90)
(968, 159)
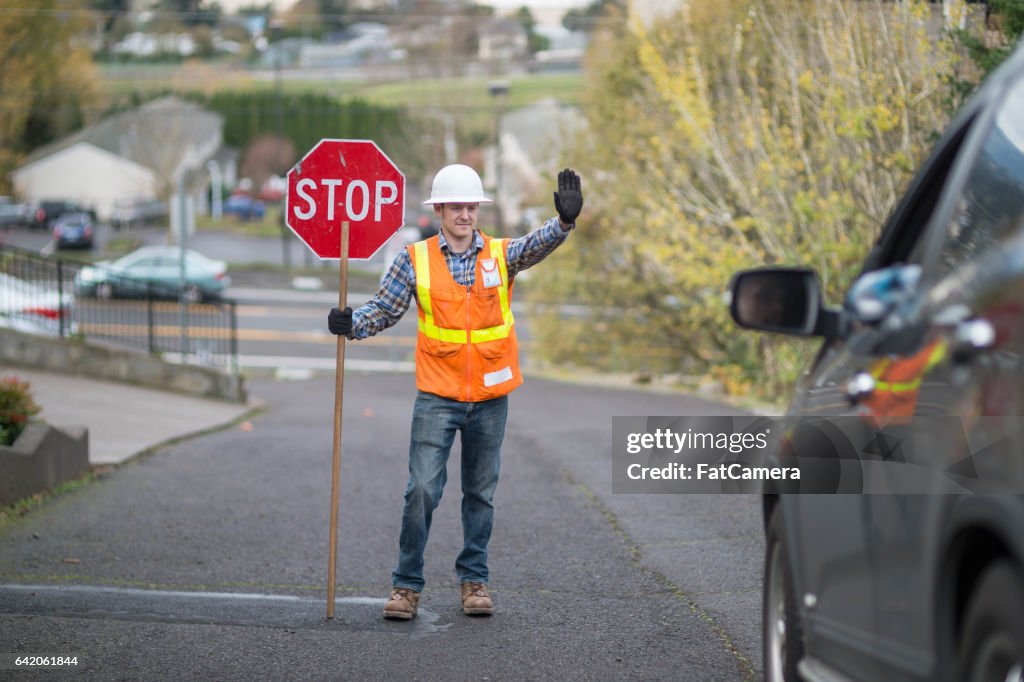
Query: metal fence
(48, 296)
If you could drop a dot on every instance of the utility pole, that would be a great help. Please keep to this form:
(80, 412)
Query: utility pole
(498, 91)
(286, 256)
(183, 280)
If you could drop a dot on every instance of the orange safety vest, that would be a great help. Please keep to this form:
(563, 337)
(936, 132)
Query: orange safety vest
(898, 381)
(466, 346)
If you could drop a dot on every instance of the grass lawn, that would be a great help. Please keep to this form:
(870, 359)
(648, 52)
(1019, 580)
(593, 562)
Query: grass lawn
(268, 226)
(444, 93)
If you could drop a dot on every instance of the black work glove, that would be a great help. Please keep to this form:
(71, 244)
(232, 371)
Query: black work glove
(569, 197)
(340, 321)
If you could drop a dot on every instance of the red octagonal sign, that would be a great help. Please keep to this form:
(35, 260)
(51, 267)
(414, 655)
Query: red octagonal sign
(340, 180)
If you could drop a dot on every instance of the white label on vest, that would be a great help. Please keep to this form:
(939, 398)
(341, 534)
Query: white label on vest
(502, 375)
(492, 277)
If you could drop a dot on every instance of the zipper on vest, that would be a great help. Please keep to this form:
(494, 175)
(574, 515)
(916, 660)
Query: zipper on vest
(469, 343)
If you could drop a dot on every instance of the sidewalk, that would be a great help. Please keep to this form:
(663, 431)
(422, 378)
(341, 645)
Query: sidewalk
(123, 420)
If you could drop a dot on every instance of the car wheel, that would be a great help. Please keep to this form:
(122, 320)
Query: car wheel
(782, 633)
(992, 645)
(193, 294)
(104, 291)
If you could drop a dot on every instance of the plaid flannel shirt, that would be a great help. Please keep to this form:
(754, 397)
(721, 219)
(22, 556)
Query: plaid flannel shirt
(398, 286)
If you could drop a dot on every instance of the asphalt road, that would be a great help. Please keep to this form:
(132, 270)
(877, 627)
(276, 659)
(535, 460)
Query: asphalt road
(207, 558)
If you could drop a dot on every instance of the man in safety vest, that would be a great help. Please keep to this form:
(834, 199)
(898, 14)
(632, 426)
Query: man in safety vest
(467, 362)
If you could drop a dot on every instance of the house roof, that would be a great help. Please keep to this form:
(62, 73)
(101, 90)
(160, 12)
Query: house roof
(119, 133)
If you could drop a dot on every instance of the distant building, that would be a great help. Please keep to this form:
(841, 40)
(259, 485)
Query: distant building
(142, 45)
(503, 40)
(361, 43)
(134, 154)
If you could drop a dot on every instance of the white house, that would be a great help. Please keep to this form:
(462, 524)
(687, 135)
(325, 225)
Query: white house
(136, 154)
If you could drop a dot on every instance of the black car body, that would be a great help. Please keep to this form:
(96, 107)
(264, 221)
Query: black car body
(924, 586)
(47, 212)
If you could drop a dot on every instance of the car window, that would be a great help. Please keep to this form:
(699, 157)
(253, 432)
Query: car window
(905, 230)
(147, 262)
(991, 206)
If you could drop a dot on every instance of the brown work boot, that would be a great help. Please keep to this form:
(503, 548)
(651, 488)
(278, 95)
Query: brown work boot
(476, 600)
(402, 604)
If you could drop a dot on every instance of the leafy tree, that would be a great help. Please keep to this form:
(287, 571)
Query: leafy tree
(192, 12)
(257, 9)
(112, 10)
(333, 14)
(1004, 24)
(588, 18)
(48, 83)
(731, 135)
(537, 42)
(303, 119)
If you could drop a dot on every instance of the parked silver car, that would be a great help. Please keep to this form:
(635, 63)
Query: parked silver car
(138, 212)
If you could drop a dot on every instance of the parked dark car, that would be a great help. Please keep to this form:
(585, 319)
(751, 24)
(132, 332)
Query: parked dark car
(47, 212)
(925, 586)
(74, 231)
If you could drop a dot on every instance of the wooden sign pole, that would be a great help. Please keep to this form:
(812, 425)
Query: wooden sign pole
(339, 385)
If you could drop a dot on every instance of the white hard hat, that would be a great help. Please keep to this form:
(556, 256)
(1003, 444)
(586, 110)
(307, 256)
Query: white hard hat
(457, 184)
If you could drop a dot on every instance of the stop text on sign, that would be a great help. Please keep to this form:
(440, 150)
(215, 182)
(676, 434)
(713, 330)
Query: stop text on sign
(357, 201)
(342, 182)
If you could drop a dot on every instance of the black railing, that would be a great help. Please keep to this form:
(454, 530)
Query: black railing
(51, 296)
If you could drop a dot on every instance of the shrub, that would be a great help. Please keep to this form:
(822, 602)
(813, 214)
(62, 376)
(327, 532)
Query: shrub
(16, 406)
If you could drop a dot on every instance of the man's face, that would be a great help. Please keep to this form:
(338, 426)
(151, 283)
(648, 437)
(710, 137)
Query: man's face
(457, 220)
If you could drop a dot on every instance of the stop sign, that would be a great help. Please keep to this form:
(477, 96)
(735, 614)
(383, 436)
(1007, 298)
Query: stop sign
(340, 180)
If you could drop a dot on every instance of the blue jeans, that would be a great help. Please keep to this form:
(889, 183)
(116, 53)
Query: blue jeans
(434, 423)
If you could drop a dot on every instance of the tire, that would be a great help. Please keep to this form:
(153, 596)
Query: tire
(193, 294)
(781, 629)
(992, 644)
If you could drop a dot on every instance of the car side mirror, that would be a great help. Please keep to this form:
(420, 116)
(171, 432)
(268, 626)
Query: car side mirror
(781, 300)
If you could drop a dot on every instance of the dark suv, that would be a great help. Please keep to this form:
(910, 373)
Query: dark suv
(924, 586)
(49, 211)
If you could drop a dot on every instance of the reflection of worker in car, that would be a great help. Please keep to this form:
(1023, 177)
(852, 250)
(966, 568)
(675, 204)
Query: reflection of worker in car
(761, 302)
(898, 381)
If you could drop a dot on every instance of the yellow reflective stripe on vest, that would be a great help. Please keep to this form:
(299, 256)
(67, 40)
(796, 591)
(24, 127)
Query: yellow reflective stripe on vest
(503, 330)
(935, 357)
(899, 386)
(427, 324)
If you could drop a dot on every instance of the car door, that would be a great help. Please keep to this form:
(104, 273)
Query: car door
(140, 273)
(837, 555)
(971, 306)
(873, 591)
